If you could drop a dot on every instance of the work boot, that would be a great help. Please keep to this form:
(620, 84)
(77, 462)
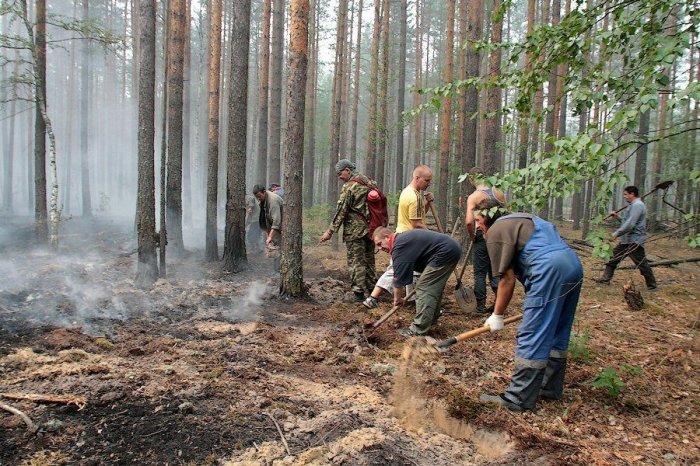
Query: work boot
(500, 400)
(481, 307)
(553, 380)
(524, 387)
(607, 275)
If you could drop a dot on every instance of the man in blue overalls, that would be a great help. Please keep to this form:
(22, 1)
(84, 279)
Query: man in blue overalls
(525, 247)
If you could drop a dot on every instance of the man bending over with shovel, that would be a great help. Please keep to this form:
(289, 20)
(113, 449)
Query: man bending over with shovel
(433, 255)
(525, 247)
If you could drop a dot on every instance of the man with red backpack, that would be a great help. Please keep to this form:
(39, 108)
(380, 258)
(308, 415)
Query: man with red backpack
(359, 220)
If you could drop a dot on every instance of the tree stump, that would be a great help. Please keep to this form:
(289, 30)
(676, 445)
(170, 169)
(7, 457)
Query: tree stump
(633, 297)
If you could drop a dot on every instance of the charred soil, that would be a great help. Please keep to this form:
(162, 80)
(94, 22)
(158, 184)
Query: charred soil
(215, 368)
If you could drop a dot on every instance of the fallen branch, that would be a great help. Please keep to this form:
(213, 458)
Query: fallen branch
(78, 401)
(663, 263)
(284, 440)
(11, 409)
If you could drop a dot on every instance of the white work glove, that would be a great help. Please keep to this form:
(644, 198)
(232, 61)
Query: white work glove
(495, 322)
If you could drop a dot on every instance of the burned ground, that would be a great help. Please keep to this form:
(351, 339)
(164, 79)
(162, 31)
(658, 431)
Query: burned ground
(207, 366)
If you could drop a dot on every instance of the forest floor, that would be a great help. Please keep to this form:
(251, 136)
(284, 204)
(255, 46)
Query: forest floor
(215, 368)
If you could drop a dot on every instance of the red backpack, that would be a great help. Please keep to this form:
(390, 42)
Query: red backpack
(377, 204)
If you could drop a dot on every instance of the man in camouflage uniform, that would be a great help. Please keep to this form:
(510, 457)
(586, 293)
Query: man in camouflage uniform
(352, 213)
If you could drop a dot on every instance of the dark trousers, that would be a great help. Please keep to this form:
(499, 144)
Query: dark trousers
(638, 255)
(482, 268)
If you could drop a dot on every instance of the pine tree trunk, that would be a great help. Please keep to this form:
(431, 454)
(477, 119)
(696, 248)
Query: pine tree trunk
(474, 34)
(84, 101)
(310, 117)
(460, 156)
(334, 143)
(552, 106)
(186, 119)
(291, 274)
(276, 65)
(147, 268)
(577, 206)
(400, 98)
(383, 121)
(525, 124)
(264, 85)
(491, 152)
(371, 160)
(40, 209)
(445, 131)
(173, 215)
(234, 245)
(356, 81)
(417, 149)
(211, 242)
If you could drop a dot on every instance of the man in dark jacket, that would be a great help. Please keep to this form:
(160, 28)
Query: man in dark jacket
(433, 255)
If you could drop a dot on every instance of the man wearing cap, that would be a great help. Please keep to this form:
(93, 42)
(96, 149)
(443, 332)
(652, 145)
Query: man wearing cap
(352, 213)
(270, 221)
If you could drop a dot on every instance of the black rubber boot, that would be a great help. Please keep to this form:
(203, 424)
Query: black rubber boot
(553, 381)
(525, 387)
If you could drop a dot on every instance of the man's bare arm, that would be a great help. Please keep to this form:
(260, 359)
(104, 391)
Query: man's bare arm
(469, 219)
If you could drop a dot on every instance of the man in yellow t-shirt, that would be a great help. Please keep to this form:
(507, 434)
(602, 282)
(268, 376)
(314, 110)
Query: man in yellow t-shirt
(411, 214)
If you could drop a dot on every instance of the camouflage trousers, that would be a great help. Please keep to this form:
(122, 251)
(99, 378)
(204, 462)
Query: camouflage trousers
(361, 264)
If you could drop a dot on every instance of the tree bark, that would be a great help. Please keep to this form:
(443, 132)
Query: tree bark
(147, 268)
(356, 80)
(400, 98)
(40, 208)
(173, 215)
(211, 241)
(371, 157)
(472, 60)
(336, 106)
(291, 273)
(85, 76)
(261, 160)
(492, 150)
(275, 118)
(310, 118)
(234, 245)
(418, 145)
(186, 119)
(552, 106)
(445, 131)
(525, 124)
(383, 122)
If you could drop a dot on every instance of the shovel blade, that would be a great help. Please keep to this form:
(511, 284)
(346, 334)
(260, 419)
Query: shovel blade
(465, 298)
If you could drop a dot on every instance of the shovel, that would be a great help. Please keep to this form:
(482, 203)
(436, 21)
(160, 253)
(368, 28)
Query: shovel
(391, 312)
(664, 185)
(442, 346)
(464, 295)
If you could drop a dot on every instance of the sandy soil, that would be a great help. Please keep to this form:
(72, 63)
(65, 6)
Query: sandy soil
(214, 368)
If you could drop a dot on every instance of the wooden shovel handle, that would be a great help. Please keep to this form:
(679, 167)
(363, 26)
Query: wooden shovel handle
(473, 333)
(391, 312)
(437, 219)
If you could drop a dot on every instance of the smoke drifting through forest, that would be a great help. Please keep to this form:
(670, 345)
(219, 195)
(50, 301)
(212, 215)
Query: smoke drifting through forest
(91, 84)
